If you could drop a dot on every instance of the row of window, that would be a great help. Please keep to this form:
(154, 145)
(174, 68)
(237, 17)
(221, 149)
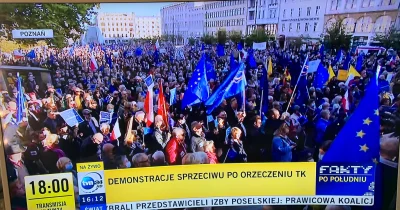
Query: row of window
(115, 18)
(139, 33)
(309, 11)
(252, 3)
(225, 13)
(126, 24)
(183, 24)
(225, 23)
(350, 4)
(365, 24)
(224, 4)
(261, 14)
(125, 29)
(307, 27)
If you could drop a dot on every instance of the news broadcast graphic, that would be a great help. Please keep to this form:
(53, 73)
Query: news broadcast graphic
(91, 185)
(217, 185)
(53, 191)
(354, 179)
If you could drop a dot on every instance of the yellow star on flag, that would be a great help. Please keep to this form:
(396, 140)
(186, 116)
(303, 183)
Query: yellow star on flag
(364, 148)
(360, 134)
(367, 121)
(375, 160)
(376, 112)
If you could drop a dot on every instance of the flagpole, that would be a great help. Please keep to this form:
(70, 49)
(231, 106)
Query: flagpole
(262, 91)
(295, 87)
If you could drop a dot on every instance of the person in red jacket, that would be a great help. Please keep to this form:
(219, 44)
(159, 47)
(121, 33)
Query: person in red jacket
(175, 149)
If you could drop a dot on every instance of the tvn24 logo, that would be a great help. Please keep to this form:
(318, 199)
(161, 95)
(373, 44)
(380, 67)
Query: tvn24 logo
(91, 182)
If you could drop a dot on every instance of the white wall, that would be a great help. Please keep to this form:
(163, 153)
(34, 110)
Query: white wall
(228, 15)
(304, 17)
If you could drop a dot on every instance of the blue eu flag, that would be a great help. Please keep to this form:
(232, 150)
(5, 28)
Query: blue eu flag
(20, 100)
(346, 64)
(138, 51)
(359, 64)
(197, 90)
(220, 50)
(358, 141)
(31, 54)
(321, 77)
(233, 64)
(210, 69)
(234, 84)
(252, 60)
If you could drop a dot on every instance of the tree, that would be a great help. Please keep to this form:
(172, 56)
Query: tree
(336, 36)
(258, 35)
(165, 37)
(66, 20)
(221, 36)
(192, 41)
(208, 39)
(235, 36)
(390, 39)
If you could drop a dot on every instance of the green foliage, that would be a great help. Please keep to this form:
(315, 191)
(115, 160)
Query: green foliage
(192, 41)
(62, 18)
(296, 42)
(336, 36)
(208, 39)
(390, 39)
(235, 36)
(221, 36)
(165, 37)
(258, 35)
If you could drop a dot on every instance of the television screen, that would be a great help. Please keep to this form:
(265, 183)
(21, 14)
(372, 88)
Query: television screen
(199, 105)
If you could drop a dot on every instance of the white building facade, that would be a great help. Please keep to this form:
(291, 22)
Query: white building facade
(264, 14)
(302, 18)
(183, 19)
(227, 15)
(116, 26)
(363, 18)
(147, 26)
(125, 26)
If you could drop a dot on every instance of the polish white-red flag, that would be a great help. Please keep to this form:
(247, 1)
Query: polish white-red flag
(116, 132)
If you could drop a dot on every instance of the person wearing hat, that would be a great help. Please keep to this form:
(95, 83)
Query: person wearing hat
(197, 141)
(14, 158)
(89, 126)
(78, 98)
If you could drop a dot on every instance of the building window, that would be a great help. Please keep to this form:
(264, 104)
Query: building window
(315, 26)
(290, 27)
(298, 27)
(299, 12)
(251, 15)
(284, 13)
(291, 12)
(317, 9)
(308, 11)
(306, 27)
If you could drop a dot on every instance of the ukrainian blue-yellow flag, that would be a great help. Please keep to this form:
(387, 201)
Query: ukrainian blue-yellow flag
(358, 141)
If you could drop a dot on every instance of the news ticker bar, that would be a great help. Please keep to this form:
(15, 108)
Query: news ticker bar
(237, 201)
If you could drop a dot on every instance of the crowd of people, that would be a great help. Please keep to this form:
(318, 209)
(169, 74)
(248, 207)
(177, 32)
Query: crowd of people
(44, 143)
